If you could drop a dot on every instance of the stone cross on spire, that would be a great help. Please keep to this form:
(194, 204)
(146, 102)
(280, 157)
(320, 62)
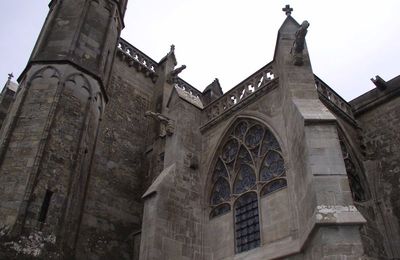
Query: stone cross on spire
(287, 9)
(10, 76)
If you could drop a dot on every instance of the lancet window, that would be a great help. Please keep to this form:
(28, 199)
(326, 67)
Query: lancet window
(249, 164)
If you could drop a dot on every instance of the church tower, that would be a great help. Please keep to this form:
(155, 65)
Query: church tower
(48, 139)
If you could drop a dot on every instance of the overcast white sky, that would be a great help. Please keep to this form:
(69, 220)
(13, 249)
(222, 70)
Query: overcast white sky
(349, 41)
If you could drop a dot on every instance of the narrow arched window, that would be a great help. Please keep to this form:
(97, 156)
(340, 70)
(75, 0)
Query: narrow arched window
(249, 164)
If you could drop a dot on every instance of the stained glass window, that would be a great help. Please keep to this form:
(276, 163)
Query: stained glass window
(221, 192)
(273, 186)
(245, 179)
(249, 163)
(272, 166)
(243, 157)
(220, 171)
(230, 150)
(269, 143)
(254, 136)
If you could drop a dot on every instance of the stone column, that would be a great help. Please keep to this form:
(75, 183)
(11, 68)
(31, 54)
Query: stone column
(48, 139)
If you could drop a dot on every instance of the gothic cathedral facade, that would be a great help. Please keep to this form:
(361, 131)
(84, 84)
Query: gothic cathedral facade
(108, 154)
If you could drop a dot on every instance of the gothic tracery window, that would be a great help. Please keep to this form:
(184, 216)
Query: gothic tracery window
(249, 164)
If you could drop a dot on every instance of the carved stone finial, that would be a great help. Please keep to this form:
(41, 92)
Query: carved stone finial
(10, 76)
(298, 44)
(172, 48)
(166, 124)
(174, 74)
(287, 9)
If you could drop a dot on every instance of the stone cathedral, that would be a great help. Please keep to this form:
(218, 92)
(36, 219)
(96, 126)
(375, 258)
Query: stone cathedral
(108, 154)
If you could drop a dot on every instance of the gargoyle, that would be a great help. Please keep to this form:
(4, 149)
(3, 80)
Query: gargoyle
(298, 44)
(174, 74)
(379, 82)
(166, 124)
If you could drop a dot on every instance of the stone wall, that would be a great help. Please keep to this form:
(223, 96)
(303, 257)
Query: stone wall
(113, 209)
(380, 127)
(172, 220)
(372, 235)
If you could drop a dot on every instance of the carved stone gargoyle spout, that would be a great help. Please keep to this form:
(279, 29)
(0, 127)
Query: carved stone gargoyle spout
(298, 44)
(171, 78)
(166, 124)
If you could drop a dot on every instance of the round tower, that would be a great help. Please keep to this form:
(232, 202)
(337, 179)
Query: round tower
(48, 139)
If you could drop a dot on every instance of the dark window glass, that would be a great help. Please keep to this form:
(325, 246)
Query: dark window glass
(273, 186)
(230, 150)
(243, 157)
(220, 171)
(221, 192)
(245, 179)
(241, 129)
(269, 143)
(247, 226)
(272, 166)
(254, 136)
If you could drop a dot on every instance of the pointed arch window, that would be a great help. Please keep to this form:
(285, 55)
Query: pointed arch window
(249, 164)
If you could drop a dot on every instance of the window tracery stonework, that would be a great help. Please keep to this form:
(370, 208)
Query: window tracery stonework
(249, 164)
